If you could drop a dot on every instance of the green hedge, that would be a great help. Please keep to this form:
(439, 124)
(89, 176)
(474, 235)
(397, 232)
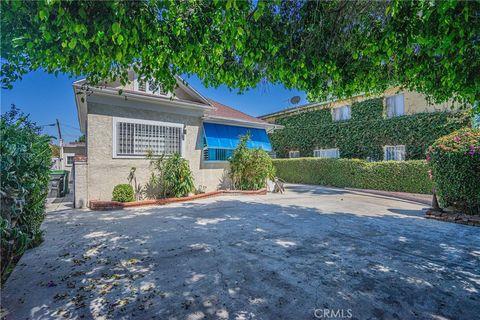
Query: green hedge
(365, 134)
(25, 173)
(455, 163)
(404, 176)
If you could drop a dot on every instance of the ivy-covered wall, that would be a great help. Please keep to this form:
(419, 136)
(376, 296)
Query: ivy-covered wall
(365, 134)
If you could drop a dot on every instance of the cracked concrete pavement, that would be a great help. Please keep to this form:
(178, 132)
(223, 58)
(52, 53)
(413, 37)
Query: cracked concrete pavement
(250, 257)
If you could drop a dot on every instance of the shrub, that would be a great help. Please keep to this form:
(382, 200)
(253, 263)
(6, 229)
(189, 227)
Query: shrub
(250, 168)
(25, 174)
(177, 176)
(404, 176)
(171, 177)
(123, 193)
(455, 163)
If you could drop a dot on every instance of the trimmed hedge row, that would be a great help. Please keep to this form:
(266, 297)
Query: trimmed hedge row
(403, 176)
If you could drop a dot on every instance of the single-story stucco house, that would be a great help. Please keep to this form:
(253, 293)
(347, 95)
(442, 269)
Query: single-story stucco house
(122, 127)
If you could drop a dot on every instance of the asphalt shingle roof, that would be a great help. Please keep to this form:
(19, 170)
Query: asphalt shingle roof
(224, 111)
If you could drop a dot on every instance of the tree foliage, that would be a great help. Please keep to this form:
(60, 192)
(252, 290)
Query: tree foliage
(328, 48)
(55, 150)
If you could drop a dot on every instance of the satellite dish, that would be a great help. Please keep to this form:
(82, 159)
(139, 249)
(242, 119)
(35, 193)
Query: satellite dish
(295, 100)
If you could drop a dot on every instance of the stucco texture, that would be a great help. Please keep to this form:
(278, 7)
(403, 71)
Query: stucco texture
(105, 171)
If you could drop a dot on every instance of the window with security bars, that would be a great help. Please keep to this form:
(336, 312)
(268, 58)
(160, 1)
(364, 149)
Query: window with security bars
(216, 154)
(139, 139)
(326, 153)
(394, 153)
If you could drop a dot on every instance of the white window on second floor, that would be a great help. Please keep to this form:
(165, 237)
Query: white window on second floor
(137, 138)
(149, 87)
(342, 113)
(326, 153)
(294, 154)
(395, 106)
(394, 153)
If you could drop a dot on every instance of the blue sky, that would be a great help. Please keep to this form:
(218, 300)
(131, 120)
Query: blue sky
(46, 98)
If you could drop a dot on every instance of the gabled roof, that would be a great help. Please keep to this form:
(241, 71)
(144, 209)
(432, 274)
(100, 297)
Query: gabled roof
(222, 111)
(213, 111)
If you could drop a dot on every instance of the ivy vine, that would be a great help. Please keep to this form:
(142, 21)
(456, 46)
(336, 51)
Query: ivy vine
(365, 134)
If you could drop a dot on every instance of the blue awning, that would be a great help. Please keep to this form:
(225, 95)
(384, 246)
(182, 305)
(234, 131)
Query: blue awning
(223, 136)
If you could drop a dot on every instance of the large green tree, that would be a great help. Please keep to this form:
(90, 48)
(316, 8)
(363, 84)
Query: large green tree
(328, 48)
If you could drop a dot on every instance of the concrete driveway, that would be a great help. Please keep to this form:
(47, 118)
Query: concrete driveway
(251, 257)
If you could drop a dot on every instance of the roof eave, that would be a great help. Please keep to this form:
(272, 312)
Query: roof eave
(224, 120)
(81, 113)
(183, 84)
(154, 99)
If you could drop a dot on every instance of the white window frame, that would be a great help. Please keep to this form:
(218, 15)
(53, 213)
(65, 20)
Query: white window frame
(295, 153)
(399, 152)
(395, 112)
(324, 153)
(147, 89)
(116, 120)
(65, 156)
(339, 110)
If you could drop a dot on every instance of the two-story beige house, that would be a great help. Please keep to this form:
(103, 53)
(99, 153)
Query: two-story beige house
(396, 103)
(121, 128)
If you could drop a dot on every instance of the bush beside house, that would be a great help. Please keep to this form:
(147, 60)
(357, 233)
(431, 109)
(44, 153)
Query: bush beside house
(403, 176)
(25, 174)
(171, 177)
(365, 134)
(250, 168)
(455, 163)
(178, 177)
(123, 193)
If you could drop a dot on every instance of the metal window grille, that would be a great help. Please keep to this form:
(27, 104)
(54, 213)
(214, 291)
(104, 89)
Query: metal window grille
(214, 154)
(137, 139)
(326, 153)
(394, 153)
(395, 106)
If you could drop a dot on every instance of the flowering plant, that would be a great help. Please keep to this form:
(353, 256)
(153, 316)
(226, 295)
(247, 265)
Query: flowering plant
(455, 169)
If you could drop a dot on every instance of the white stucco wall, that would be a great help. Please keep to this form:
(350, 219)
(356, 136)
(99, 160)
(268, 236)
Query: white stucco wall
(104, 171)
(80, 187)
